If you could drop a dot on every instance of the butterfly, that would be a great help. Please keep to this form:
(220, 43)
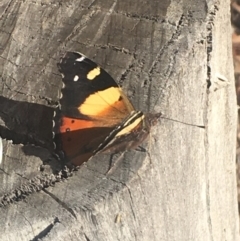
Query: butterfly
(94, 115)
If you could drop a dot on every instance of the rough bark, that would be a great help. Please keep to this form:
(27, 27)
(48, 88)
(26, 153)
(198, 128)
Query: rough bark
(173, 57)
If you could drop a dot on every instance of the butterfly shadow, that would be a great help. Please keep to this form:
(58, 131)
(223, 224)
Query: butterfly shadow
(29, 124)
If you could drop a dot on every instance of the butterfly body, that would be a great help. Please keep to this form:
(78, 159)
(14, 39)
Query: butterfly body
(94, 115)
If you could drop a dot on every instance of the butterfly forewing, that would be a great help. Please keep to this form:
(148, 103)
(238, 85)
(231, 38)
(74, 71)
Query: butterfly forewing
(89, 92)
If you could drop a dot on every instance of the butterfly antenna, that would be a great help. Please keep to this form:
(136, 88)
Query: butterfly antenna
(199, 126)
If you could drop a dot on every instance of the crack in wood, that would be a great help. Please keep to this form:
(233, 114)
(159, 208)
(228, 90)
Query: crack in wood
(209, 37)
(152, 18)
(170, 42)
(125, 73)
(35, 185)
(112, 47)
(61, 203)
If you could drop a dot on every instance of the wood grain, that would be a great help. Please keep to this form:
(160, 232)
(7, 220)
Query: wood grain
(166, 56)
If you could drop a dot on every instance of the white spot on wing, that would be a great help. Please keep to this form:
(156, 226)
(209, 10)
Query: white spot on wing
(80, 59)
(76, 78)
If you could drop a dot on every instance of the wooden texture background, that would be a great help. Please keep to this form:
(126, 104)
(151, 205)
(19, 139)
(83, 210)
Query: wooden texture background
(168, 56)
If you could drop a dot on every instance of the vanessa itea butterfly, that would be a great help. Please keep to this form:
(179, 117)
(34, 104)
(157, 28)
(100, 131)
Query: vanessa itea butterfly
(94, 115)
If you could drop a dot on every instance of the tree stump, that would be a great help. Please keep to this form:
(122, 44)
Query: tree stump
(174, 57)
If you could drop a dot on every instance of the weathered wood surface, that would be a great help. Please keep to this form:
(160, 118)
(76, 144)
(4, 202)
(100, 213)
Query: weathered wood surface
(166, 55)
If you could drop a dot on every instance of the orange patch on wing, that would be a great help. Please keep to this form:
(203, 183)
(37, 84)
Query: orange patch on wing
(71, 124)
(117, 110)
(107, 112)
(106, 108)
(75, 143)
(79, 145)
(109, 116)
(100, 100)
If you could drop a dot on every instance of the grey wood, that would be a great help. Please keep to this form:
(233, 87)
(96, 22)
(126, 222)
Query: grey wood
(168, 56)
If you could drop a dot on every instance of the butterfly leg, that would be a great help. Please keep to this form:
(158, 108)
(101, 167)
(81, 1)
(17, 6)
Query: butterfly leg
(141, 149)
(113, 164)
